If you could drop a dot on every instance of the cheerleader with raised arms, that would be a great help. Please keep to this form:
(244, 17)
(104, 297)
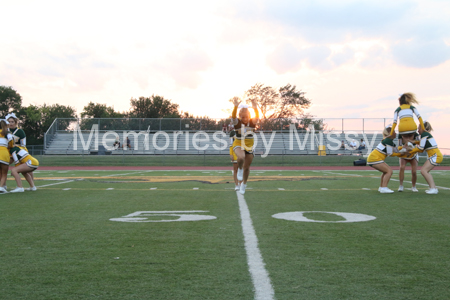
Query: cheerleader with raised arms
(243, 143)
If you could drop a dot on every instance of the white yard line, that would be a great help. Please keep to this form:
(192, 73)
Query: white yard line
(343, 174)
(260, 277)
(121, 174)
(56, 183)
(424, 184)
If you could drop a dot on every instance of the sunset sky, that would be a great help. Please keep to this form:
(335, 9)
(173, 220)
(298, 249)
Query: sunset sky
(352, 58)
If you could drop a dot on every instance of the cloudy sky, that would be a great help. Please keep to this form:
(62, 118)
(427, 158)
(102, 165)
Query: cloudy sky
(352, 58)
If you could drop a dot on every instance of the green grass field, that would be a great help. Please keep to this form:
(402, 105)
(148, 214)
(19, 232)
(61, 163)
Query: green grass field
(60, 242)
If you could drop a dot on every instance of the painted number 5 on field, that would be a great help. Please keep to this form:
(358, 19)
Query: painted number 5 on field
(165, 216)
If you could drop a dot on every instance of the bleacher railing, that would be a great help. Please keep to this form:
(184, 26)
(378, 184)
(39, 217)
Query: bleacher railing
(172, 124)
(51, 132)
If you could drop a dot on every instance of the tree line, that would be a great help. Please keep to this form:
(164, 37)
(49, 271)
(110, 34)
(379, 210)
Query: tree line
(281, 107)
(278, 108)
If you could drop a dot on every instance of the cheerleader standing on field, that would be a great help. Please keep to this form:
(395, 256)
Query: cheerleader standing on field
(413, 160)
(406, 114)
(25, 164)
(428, 144)
(243, 143)
(378, 155)
(233, 158)
(19, 136)
(6, 141)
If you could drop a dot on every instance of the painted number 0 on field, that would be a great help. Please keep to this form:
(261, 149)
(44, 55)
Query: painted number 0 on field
(183, 215)
(299, 216)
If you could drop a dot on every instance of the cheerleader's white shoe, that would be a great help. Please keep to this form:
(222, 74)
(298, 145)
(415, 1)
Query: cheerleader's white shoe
(17, 190)
(240, 174)
(242, 188)
(386, 190)
(432, 191)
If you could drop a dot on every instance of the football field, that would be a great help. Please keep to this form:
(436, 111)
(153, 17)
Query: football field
(188, 235)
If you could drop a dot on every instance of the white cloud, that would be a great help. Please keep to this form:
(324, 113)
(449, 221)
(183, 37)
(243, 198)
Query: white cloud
(343, 56)
(396, 23)
(288, 57)
(184, 66)
(420, 53)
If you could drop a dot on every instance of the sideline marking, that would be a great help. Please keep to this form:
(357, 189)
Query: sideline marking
(280, 189)
(66, 189)
(260, 277)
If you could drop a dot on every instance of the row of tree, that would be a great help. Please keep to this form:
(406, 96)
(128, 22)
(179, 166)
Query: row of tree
(36, 119)
(143, 107)
(287, 103)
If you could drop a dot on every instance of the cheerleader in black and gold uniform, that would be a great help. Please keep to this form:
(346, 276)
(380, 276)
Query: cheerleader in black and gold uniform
(413, 160)
(405, 112)
(233, 158)
(6, 142)
(428, 143)
(243, 143)
(378, 155)
(25, 164)
(19, 136)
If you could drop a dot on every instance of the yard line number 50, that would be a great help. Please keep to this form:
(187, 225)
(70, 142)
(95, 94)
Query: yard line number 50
(195, 215)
